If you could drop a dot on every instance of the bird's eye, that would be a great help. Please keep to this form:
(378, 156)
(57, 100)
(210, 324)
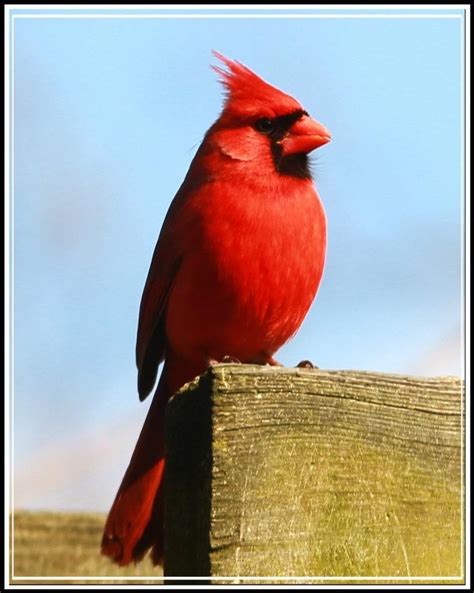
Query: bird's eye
(264, 125)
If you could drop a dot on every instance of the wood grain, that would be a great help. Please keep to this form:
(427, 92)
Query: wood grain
(276, 472)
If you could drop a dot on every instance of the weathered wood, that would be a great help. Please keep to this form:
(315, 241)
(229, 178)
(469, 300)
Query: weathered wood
(276, 472)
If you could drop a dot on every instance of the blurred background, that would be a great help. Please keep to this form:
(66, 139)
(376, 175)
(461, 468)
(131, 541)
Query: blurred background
(108, 114)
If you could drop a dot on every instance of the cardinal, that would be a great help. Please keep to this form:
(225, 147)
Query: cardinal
(237, 265)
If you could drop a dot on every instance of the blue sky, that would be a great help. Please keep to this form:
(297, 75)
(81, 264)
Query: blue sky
(107, 116)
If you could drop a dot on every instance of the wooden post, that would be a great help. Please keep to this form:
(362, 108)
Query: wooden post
(276, 472)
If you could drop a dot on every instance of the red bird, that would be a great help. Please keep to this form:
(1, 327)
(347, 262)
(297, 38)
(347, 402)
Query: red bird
(236, 267)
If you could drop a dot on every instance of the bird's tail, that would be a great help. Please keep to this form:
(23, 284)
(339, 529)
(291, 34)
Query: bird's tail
(135, 521)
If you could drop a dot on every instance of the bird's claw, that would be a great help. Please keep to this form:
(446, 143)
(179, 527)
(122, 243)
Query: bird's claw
(225, 359)
(274, 363)
(232, 359)
(306, 364)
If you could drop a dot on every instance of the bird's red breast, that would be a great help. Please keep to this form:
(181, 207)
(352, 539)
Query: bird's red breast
(254, 260)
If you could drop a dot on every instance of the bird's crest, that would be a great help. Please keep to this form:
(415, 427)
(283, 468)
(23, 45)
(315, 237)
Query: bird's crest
(246, 91)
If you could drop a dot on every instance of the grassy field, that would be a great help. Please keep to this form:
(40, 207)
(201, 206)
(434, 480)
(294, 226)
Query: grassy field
(67, 545)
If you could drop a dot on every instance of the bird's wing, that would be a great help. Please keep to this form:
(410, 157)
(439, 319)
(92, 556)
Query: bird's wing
(172, 243)
(151, 336)
(165, 263)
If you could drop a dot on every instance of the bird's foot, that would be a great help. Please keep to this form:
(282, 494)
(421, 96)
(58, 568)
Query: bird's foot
(265, 359)
(306, 364)
(225, 359)
(231, 359)
(273, 363)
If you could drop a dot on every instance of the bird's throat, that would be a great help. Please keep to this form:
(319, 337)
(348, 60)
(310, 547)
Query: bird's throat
(294, 165)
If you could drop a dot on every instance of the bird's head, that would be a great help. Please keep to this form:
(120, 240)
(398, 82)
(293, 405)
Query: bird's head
(260, 123)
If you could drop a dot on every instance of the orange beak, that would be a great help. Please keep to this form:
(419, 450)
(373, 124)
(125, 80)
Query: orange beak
(305, 135)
